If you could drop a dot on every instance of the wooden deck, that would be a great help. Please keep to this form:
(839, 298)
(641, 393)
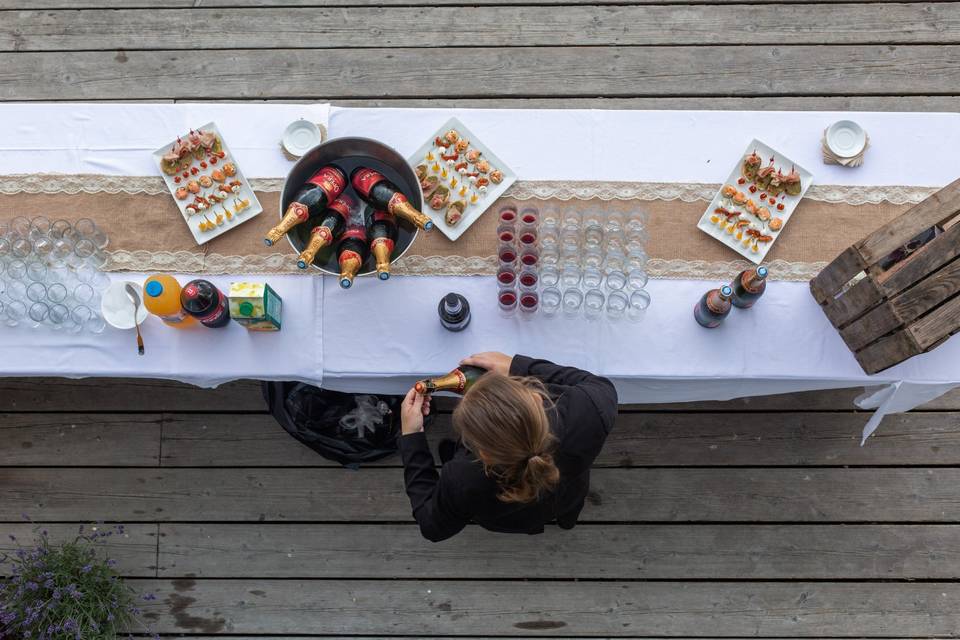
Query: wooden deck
(752, 518)
(758, 517)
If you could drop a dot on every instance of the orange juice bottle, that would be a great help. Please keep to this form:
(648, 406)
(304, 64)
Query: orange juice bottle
(162, 299)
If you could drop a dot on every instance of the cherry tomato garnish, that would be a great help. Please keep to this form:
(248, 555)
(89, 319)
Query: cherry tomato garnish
(186, 174)
(203, 165)
(753, 188)
(221, 155)
(213, 159)
(177, 179)
(772, 201)
(742, 181)
(780, 207)
(194, 170)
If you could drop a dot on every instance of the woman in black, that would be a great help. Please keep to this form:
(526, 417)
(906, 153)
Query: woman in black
(529, 431)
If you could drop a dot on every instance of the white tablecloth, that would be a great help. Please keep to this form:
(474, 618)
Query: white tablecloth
(381, 336)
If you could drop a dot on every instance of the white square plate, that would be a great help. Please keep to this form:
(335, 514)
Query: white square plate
(246, 191)
(789, 203)
(473, 211)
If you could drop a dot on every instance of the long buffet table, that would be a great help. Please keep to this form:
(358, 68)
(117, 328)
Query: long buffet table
(380, 337)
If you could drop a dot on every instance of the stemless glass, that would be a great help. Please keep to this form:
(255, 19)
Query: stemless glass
(17, 269)
(56, 292)
(616, 280)
(36, 292)
(36, 272)
(635, 222)
(20, 226)
(548, 239)
(550, 300)
(572, 220)
(593, 301)
(508, 215)
(39, 228)
(506, 277)
(637, 279)
(549, 255)
(507, 232)
(639, 301)
(592, 219)
(15, 313)
(570, 275)
(572, 301)
(81, 314)
(16, 290)
(592, 277)
(43, 247)
(20, 247)
(617, 303)
(100, 281)
(530, 256)
(95, 324)
(507, 301)
(85, 227)
(549, 275)
(528, 237)
(549, 218)
(84, 294)
(529, 303)
(59, 228)
(593, 236)
(38, 313)
(529, 217)
(59, 314)
(613, 224)
(507, 254)
(593, 257)
(529, 280)
(62, 250)
(6, 251)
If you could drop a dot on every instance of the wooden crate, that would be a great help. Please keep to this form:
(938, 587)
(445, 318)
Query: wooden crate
(888, 315)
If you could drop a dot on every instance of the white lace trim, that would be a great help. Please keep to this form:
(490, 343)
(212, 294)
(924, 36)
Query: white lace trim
(210, 263)
(53, 183)
(724, 270)
(413, 265)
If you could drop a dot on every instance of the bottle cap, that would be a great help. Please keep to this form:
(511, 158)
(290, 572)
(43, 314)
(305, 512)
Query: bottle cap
(153, 289)
(246, 309)
(451, 303)
(726, 291)
(762, 272)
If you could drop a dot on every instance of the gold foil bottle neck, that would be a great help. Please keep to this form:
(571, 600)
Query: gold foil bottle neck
(381, 249)
(454, 381)
(319, 238)
(409, 213)
(350, 263)
(294, 216)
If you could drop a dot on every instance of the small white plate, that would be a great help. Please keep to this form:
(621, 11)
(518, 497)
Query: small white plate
(846, 138)
(301, 136)
(117, 307)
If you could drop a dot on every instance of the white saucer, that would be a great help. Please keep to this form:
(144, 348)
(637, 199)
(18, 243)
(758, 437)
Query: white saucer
(301, 136)
(846, 138)
(117, 307)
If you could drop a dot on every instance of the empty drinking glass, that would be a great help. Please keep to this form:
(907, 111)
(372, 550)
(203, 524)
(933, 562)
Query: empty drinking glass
(85, 227)
(550, 300)
(20, 226)
(83, 293)
(639, 301)
(570, 275)
(593, 301)
(572, 301)
(549, 218)
(613, 224)
(62, 250)
(593, 257)
(59, 314)
(548, 240)
(59, 228)
(635, 222)
(617, 303)
(36, 292)
(39, 228)
(616, 280)
(36, 272)
(593, 236)
(16, 290)
(95, 324)
(549, 275)
(56, 292)
(20, 247)
(81, 314)
(6, 251)
(572, 221)
(637, 279)
(549, 255)
(15, 313)
(592, 277)
(593, 219)
(38, 313)
(17, 269)
(43, 247)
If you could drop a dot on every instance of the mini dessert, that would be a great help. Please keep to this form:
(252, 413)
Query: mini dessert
(455, 212)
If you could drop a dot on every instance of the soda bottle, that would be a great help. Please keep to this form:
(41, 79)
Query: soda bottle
(713, 307)
(748, 287)
(202, 300)
(162, 299)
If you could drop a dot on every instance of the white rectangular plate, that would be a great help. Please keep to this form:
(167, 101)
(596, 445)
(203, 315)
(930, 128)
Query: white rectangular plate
(789, 203)
(473, 211)
(246, 191)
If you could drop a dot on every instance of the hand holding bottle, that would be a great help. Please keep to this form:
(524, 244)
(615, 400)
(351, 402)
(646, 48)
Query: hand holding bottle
(415, 407)
(491, 361)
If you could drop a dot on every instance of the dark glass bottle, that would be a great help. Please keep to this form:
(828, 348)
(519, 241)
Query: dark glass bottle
(748, 287)
(383, 238)
(713, 307)
(381, 194)
(458, 381)
(454, 312)
(202, 300)
(329, 230)
(351, 253)
(321, 189)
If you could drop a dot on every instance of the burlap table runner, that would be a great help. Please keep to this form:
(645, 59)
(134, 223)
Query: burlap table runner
(147, 232)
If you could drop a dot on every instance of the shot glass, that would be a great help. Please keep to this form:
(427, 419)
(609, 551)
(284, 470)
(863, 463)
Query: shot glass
(6, 252)
(549, 255)
(593, 237)
(548, 239)
(58, 316)
(507, 254)
(616, 280)
(36, 292)
(572, 301)
(81, 314)
(637, 279)
(551, 299)
(593, 219)
(617, 303)
(21, 247)
(592, 277)
(508, 215)
(62, 250)
(593, 301)
(527, 237)
(36, 271)
(15, 313)
(17, 269)
(506, 277)
(507, 301)
(84, 294)
(549, 275)
(635, 222)
(59, 228)
(39, 228)
(529, 303)
(16, 290)
(613, 223)
(56, 293)
(507, 233)
(95, 324)
(593, 257)
(570, 275)
(639, 301)
(572, 221)
(43, 247)
(529, 280)
(549, 218)
(20, 226)
(38, 313)
(529, 217)
(85, 227)
(530, 256)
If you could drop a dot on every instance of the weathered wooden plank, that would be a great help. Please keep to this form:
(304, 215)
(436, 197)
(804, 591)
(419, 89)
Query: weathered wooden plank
(639, 439)
(68, 439)
(617, 495)
(937, 325)
(494, 26)
(888, 351)
(152, 4)
(135, 551)
(517, 71)
(407, 607)
(125, 394)
(831, 280)
(623, 552)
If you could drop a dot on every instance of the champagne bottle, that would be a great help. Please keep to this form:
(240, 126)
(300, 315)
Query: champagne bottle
(713, 307)
(383, 238)
(331, 227)
(748, 287)
(321, 189)
(383, 195)
(351, 253)
(458, 381)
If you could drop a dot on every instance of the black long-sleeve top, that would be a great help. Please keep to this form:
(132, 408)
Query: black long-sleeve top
(584, 410)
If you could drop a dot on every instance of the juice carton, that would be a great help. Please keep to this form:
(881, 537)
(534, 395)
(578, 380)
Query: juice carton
(255, 305)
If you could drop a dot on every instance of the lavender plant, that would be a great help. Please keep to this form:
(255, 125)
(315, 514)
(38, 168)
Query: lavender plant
(66, 591)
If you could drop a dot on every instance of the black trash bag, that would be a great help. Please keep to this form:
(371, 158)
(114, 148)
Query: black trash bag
(314, 417)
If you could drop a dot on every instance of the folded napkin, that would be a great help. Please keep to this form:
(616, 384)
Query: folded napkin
(829, 157)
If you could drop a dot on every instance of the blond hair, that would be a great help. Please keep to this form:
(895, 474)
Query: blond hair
(503, 421)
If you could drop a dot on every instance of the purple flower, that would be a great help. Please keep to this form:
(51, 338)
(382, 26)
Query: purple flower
(111, 562)
(149, 596)
(86, 569)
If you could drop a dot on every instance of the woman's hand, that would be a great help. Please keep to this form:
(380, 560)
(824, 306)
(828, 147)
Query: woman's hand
(491, 361)
(414, 407)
